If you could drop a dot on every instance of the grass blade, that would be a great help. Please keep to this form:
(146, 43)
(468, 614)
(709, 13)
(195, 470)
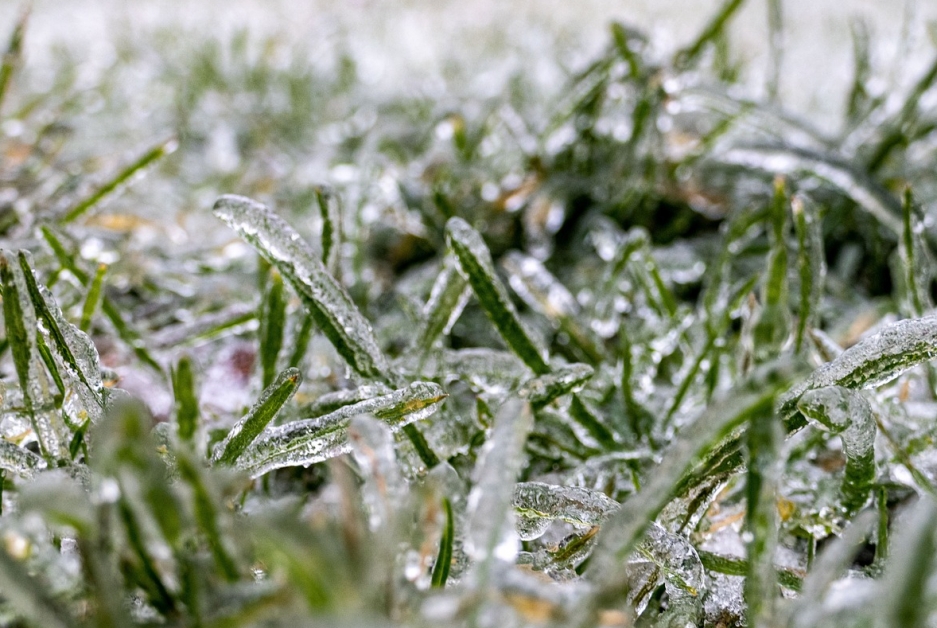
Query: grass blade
(327, 302)
(12, 55)
(272, 322)
(444, 557)
(713, 29)
(446, 301)
(265, 410)
(93, 298)
(811, 265)
(123, 177)
(475, 261)
(186, 399)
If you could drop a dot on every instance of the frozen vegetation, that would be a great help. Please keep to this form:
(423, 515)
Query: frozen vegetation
(629, 345)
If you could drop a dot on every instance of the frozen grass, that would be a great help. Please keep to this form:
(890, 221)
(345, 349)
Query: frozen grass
(640, 348)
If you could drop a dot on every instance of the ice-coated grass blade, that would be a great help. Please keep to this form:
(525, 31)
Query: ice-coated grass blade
(588, 419)
(124, 330)
(447, 299)
(544, 293)
(68, 341)
(22, 343)
(12, 55)
(827, 568)
(122, 178)
(488, 519)
(811, 265)
(904, 597)
(272, 322)
(713, 30)
(848, 414)
(772, 327)
(572, 504)
(301, 342)
(186, 399)
(328, 204)
(624, 530)
(564, 379)
(871, 362)
(245, 431)
(917, 274)
(775, 46)
(327, 302)
(739, 567)
(304, 442)
(206, 515)
(444, 556)
(475, 260)
(764, 439)
(16, 459)
(92, 299)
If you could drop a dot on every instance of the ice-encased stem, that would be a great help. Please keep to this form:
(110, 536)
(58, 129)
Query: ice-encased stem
(848, 414)
(475, 261)
(327, 301)
(811, 264)
(304, 442)
(447, 299)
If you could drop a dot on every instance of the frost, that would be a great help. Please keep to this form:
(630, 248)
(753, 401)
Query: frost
(537, 504)
(19, 460)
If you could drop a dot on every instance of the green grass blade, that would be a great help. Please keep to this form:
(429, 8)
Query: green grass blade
(917, 274)
(245, 431)
(328, 302)
(93, 298)
(583, 415)
(775, 47)
(186, 399)
(75, 349)
(764, 440)
(301, 342)
(447, 299)
(444, 557)
(122, 178)
(475, 261)
(272, 322)
(206, 514)
(124, 330)
(713, 29)
(12, 55)
(564, 379)
(329, 209)
(847, 413)
(811, 265)
(787, 578)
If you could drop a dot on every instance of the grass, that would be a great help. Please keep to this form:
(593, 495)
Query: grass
(642, 351)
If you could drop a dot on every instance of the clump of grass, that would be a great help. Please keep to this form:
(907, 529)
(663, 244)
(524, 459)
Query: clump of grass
(607, 361)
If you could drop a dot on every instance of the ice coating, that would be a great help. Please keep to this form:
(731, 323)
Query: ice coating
(372, 446)
(19, 460)
(304, 442)
(489, 533)
(873, 361)
(847, 413)
(544, 503)
(564, 379)
(332, 401)
(327, 301)
(475, 262)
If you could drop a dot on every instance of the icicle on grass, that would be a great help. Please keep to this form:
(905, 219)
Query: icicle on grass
(304, 442)
(847, 413)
